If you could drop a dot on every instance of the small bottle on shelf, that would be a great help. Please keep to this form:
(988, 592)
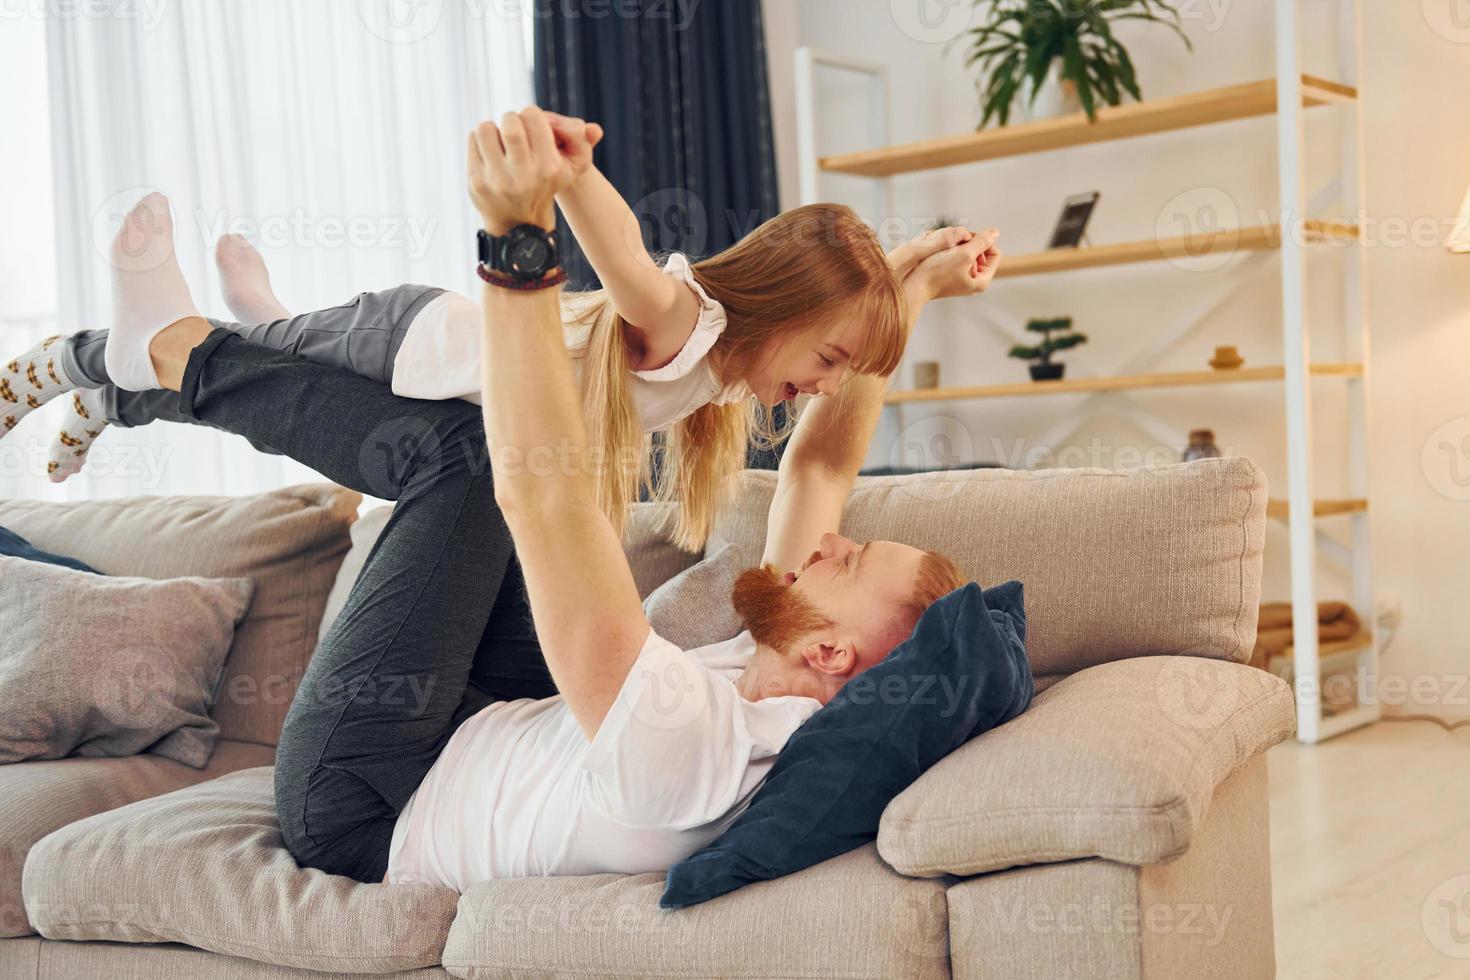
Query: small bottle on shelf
(1201, 445)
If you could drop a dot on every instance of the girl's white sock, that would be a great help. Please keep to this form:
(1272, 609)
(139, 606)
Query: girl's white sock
(83, 424)
(148, 292)
(246, 282)
(30, 381)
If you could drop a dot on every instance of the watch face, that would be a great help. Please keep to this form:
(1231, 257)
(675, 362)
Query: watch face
(529, 256)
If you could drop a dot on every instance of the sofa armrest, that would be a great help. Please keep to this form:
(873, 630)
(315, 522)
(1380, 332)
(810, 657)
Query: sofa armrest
(1118, 761)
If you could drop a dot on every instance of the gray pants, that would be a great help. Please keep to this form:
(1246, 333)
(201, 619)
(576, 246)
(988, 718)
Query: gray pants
(362, 336)
(437, 625)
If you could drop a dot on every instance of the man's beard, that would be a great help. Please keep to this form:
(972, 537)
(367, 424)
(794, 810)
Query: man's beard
(775, 613)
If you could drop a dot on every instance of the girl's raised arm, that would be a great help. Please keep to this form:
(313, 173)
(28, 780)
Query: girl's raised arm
(660, 310)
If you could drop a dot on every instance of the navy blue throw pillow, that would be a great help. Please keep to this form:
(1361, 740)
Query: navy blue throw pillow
(961, 672)
(12, 545)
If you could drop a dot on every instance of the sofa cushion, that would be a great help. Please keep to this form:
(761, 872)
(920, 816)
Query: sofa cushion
(288, 542)
(695, 608)
(39, 797)
(206, 866)
(12, 545)
(162, 961)
(1156, 560)
(1118, 761)
(365, 533)
(849, 917)
(653, 557)
(102, 665)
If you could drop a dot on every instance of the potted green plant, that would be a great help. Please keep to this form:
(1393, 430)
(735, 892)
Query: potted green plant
(1060, 54)
(1045, 369)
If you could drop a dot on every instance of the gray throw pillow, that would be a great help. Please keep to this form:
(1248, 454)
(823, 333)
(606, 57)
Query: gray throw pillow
(693, 608)
(94, 665)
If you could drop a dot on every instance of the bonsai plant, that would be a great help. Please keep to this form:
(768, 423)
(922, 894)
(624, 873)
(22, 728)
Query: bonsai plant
(1045, 369)
(1022, 43)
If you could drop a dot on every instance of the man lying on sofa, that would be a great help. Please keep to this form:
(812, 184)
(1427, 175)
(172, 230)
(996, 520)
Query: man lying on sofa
(642, 753)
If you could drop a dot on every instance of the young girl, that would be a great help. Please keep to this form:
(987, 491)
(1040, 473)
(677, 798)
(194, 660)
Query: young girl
(696, 350)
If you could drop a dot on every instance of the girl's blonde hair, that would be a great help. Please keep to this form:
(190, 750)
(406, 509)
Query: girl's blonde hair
(796, 274)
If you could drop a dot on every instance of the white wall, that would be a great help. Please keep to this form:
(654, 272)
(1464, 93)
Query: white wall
(1416, 71)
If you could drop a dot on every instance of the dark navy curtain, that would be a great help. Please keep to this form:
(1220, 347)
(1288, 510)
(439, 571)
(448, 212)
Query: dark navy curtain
(680, 88)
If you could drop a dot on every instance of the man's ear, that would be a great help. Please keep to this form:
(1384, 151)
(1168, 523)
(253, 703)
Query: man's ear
(835, 657)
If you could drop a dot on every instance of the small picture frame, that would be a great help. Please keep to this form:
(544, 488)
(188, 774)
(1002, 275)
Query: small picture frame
(1072, 225)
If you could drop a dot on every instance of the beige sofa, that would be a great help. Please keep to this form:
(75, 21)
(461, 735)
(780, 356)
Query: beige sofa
(1117, 829)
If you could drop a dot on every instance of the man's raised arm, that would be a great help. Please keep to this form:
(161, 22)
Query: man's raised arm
(589, 619)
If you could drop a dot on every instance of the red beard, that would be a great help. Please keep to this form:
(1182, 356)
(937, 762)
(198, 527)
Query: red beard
(775, 613)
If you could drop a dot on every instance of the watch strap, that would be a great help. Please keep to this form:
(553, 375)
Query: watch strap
(497, 278)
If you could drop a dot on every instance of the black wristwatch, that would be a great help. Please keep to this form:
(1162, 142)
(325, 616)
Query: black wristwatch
(526, 253)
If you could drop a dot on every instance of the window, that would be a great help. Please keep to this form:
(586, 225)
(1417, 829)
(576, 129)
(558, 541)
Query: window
(27, 241)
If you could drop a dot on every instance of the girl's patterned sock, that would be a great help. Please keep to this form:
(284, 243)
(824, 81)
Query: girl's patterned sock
(84, 423)
(30, 381)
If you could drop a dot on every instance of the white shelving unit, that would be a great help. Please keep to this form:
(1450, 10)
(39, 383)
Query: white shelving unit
(1286, 98)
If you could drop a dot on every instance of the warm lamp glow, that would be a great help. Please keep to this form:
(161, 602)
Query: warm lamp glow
(1460, 237)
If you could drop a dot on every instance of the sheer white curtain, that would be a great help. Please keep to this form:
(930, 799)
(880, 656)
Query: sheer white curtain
(27, 243)
(330, 133)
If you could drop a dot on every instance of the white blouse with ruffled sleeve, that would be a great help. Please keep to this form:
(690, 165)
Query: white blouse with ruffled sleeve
(432, 362)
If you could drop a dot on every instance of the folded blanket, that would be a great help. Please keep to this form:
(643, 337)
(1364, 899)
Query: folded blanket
(1335, 621)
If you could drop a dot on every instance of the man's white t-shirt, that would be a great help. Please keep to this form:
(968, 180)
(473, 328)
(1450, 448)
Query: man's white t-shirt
(520, 791)
(439, 358)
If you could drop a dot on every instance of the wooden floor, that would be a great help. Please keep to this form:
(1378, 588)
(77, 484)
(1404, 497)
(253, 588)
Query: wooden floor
(1370, 838)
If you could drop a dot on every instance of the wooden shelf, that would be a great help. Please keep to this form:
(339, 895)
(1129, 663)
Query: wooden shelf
(1332, 648)
(1067, 386)
(1281, 510)
(1113, 123)
(1257, 239)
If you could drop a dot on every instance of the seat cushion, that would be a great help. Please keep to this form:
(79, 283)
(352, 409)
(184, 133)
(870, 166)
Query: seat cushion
(1155, 560)
(1118, 761)
(206, 866)
(39, 797)
(850, 917)
(288, 542)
